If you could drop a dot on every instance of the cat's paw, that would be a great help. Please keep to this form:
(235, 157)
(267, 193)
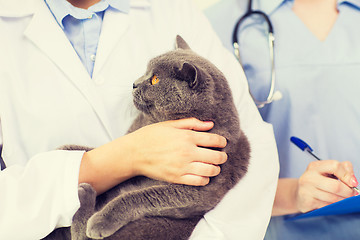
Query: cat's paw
(87, 195)
(97, 228)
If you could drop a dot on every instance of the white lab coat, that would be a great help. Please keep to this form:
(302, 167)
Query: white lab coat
(48, 99)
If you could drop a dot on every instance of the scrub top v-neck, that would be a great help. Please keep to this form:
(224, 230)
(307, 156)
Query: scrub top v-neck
(318, 80)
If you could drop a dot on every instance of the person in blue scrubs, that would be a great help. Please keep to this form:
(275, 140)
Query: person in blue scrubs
(317, 66)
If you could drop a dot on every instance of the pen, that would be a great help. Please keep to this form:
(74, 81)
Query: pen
(305, 147)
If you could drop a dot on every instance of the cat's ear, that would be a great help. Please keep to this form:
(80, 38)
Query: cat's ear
(180, 43)
(190, 74)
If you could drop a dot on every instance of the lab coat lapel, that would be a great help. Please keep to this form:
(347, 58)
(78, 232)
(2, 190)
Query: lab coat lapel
(45, 33)
(110, 36)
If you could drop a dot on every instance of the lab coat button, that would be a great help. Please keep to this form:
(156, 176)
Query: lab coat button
(93, 57)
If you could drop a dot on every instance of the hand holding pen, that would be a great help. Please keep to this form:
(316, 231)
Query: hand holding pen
(324, 182)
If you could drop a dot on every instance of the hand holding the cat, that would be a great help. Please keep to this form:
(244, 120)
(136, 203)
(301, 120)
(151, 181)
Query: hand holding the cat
(317, 187)
(174, 151)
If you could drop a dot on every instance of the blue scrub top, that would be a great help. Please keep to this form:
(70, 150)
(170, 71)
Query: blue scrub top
(320, 84)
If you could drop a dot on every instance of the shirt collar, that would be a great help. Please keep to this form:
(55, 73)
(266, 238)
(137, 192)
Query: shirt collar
(62, 8)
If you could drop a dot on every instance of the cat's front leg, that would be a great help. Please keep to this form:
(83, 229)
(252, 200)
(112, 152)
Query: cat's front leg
(175, 201)
(87, 197)
(114, 215)
(163, 200)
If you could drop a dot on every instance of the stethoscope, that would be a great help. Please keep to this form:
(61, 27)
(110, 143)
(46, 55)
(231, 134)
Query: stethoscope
(273, 95)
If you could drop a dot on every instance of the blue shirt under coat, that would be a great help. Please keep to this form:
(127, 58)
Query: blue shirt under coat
(83, 26)
(320, 84)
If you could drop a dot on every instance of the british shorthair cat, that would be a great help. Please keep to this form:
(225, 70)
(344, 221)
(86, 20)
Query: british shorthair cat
(178, 84)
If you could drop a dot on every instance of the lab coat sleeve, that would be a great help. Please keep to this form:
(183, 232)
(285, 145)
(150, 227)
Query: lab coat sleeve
(37, 193)
(245, 211)
(39, 196)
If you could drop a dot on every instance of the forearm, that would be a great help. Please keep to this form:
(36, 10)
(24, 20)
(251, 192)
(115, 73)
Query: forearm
(106, 166)
(285, 199)
(166, 151)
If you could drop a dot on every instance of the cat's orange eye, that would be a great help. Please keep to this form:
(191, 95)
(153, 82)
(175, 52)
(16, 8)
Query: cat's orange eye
(154, 80)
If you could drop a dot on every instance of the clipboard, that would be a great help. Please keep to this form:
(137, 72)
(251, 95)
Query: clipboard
(346, 206)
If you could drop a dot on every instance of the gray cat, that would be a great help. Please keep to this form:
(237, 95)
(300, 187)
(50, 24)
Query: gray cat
(178, 84)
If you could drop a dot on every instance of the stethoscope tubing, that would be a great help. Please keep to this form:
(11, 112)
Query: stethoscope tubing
(271, 39)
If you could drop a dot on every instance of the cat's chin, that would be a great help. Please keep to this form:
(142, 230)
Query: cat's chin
(145, 108)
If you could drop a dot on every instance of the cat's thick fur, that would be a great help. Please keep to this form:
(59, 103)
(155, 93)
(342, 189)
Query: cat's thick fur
(142, 208)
